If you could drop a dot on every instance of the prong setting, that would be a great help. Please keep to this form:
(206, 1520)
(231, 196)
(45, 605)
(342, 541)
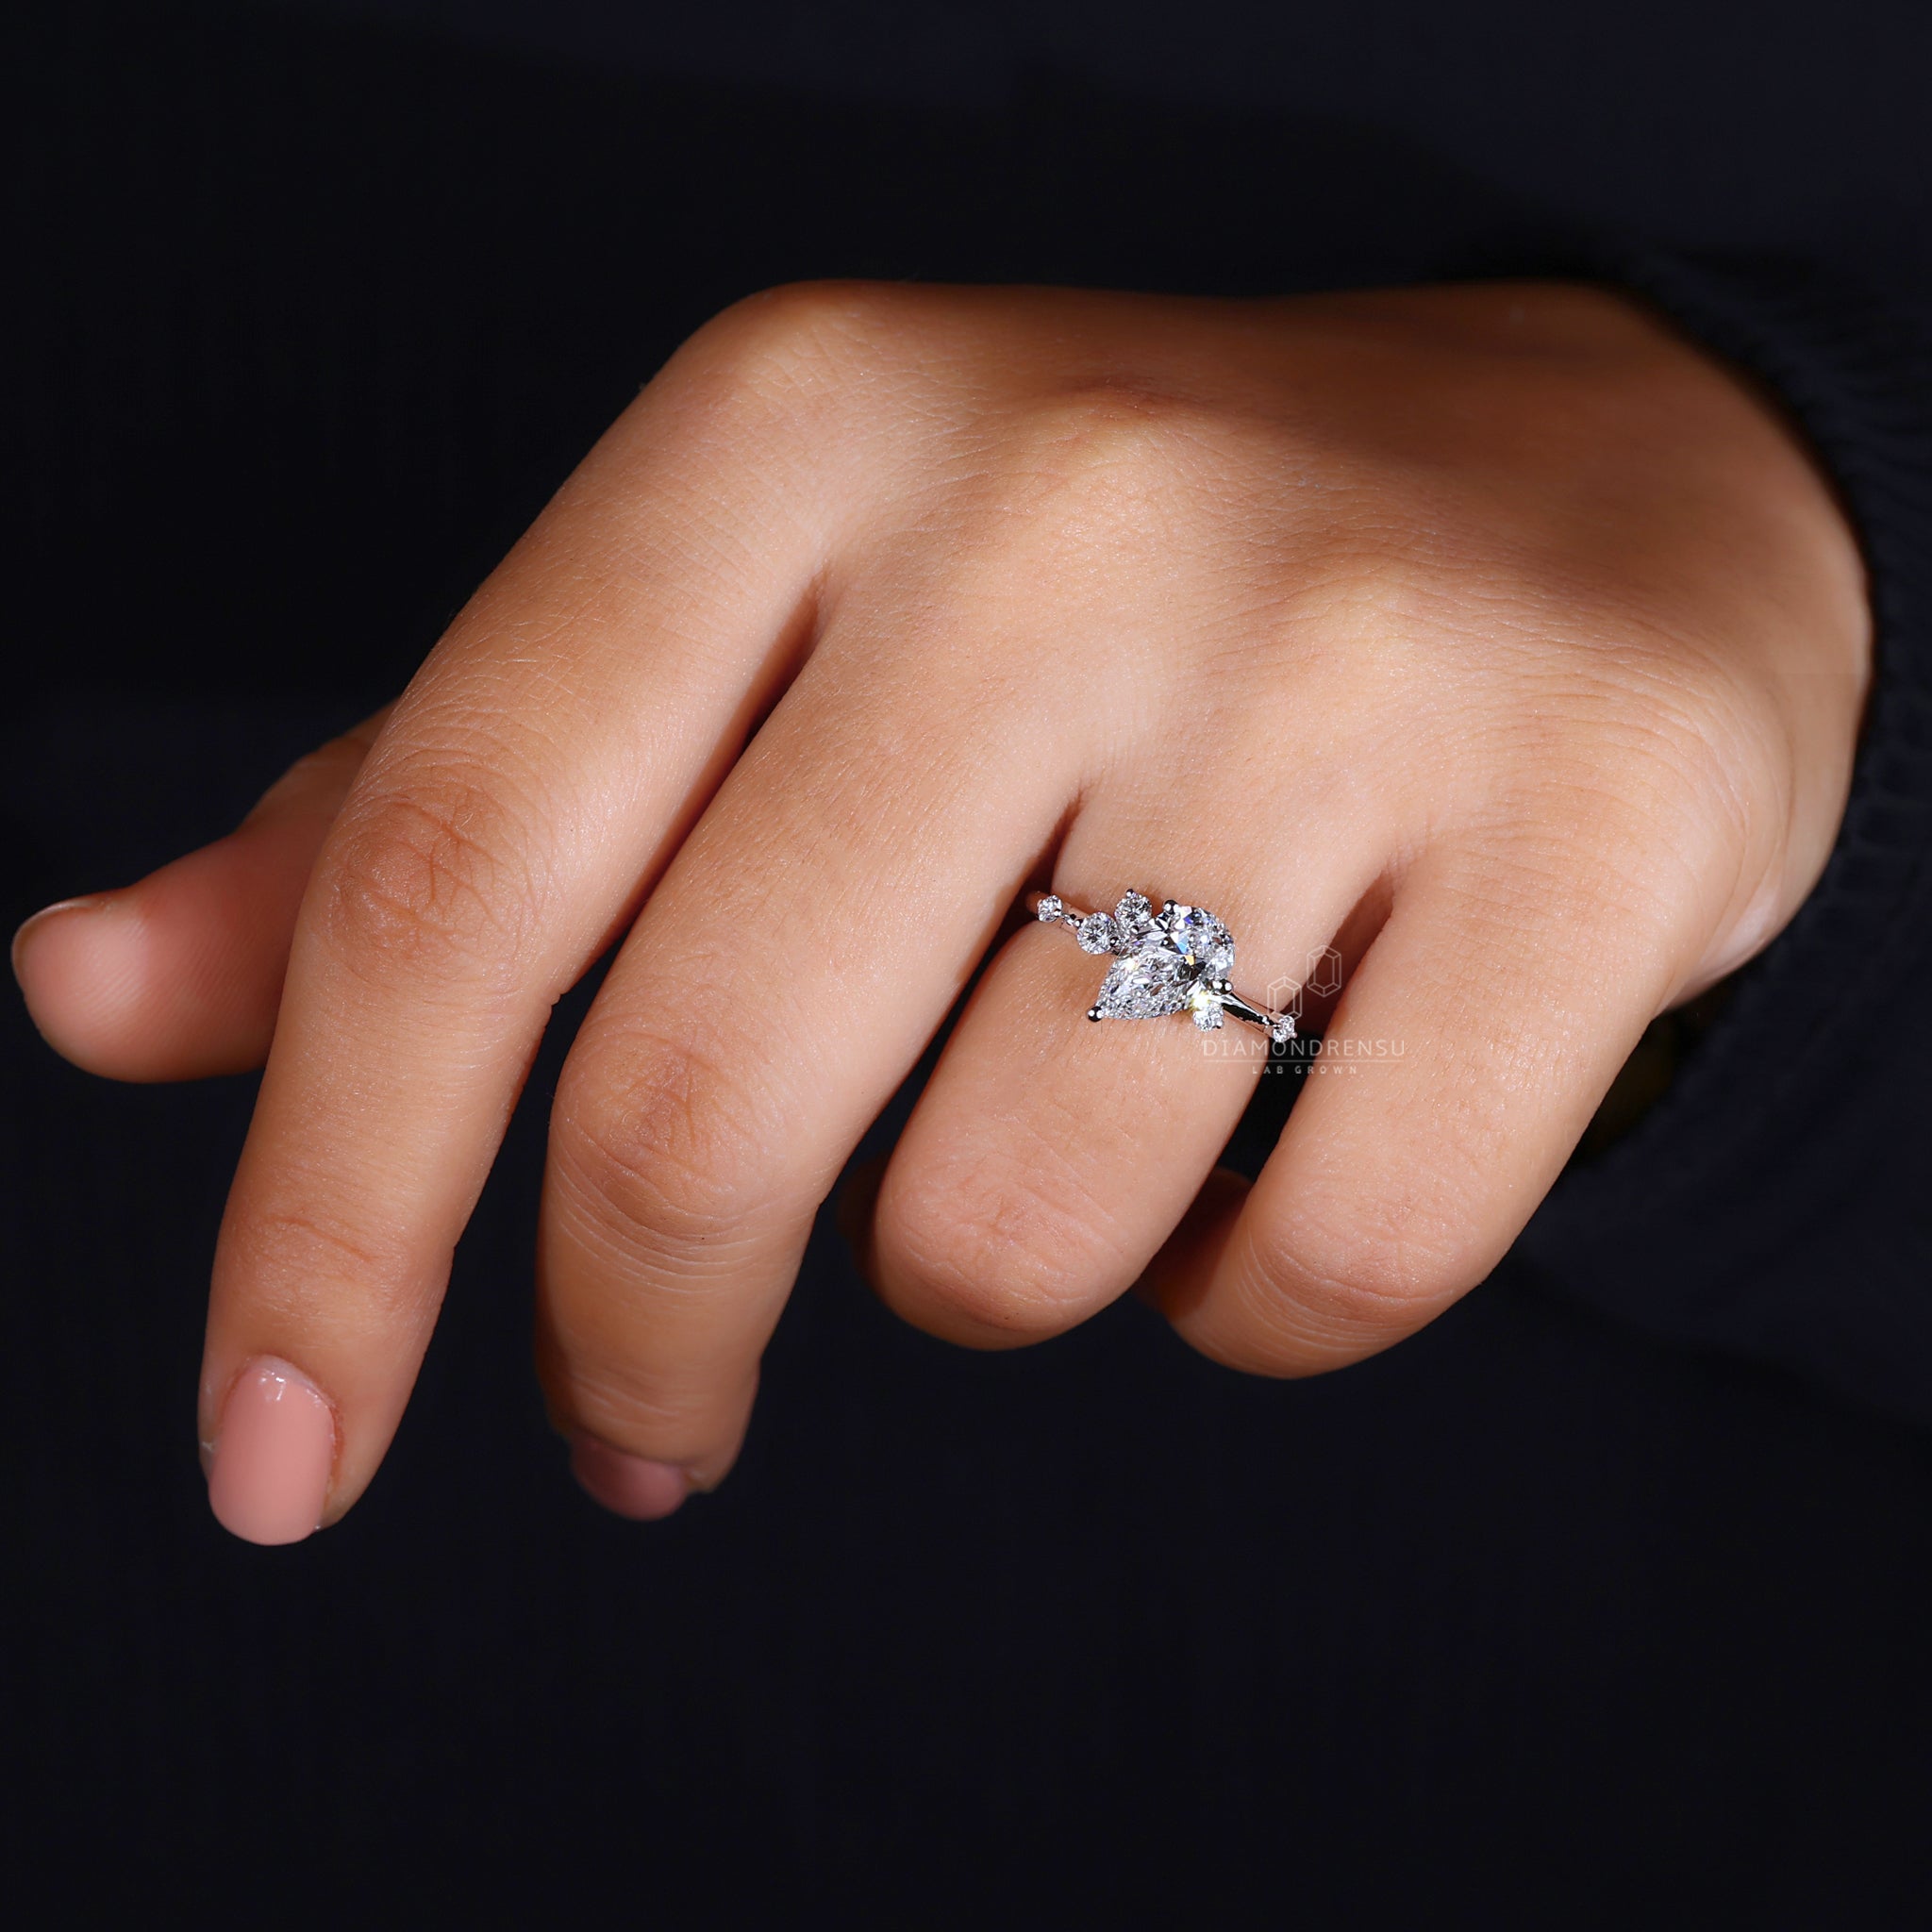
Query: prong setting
(1177, 960)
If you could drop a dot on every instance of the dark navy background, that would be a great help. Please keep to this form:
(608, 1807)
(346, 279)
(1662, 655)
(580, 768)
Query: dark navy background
(1534, 1620)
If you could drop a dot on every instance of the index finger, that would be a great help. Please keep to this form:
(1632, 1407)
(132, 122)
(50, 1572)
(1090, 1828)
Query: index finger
(538, 772)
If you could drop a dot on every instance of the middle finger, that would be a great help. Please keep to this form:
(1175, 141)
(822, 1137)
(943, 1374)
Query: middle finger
(778, 987)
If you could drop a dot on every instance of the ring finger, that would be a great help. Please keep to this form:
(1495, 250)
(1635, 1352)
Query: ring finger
(1049, 1158)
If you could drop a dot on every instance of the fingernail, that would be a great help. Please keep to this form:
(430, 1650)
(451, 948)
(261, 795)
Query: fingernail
(269, 1478)
(631, 1486)
(97, 903)
(83, 966)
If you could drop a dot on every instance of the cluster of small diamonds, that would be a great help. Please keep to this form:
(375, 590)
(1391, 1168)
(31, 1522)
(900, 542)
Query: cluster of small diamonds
(1173, 962)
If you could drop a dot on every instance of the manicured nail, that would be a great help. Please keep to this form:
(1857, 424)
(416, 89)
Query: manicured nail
(269, 1478)
(632, 1486)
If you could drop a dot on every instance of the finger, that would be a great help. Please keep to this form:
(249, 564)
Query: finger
(1049, 1157)
(179, 975)
(1465, 1059)
(775, 991)
(528, 785)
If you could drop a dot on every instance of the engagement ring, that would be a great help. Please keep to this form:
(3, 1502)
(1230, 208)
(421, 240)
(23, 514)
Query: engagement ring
(1175, 960)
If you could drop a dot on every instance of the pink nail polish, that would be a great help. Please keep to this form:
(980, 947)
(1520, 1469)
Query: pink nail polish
(271, 1461)
(632, 1486)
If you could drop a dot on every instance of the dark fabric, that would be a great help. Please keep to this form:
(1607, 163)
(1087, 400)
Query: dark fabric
(1601, 1603)
(1774, 1203)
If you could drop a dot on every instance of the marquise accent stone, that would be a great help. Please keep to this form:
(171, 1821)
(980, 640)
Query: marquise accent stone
(1134, 918)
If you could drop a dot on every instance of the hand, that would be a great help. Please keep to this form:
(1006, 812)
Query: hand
(1491, 632)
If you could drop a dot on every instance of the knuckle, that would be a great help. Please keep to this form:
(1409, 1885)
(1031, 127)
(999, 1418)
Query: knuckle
(1362, 1277)
(667, 1140)
(1696, 752)
(298, 1255)
(1125, 478)
(788, 346)
(1670, 710)
(620, 1401)
(429, 876)
(1112, 448)
(1014, 1250)
(1664, 779)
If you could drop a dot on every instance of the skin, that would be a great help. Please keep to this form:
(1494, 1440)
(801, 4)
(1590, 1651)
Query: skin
(1492, 633)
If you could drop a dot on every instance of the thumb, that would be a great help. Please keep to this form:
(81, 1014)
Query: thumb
(179, 975)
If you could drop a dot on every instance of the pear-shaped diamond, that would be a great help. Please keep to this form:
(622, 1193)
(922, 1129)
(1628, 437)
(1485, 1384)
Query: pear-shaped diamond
(1169, 963)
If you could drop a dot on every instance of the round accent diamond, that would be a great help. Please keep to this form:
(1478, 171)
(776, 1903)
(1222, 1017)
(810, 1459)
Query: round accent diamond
(1205, 1002)
(1050, 908)
(1097, 933)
